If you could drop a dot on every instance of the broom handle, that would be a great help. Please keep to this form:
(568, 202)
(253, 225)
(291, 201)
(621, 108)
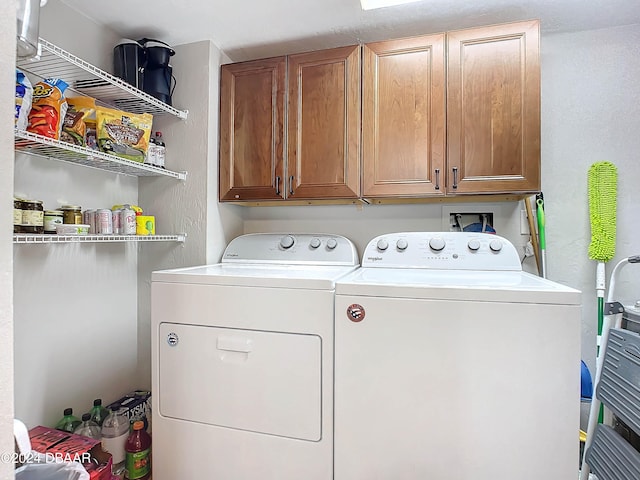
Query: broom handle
(532, 231)
(595, 411)
(542, 235)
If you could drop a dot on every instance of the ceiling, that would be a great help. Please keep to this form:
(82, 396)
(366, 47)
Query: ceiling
(249, 29)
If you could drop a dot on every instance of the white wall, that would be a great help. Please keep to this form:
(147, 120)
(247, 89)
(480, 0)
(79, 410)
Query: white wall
(75, 305)
(590, 113)
(7, 99)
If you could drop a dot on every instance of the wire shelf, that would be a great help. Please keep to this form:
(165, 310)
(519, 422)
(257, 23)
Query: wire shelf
(28, 238)
(33, 144)
(90, 80)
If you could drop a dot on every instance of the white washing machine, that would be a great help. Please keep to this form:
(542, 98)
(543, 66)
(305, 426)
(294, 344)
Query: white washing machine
(242, 361)
(453, 364)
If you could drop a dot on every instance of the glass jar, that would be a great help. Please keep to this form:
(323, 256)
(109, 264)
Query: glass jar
(17, 215)
(71, 214)
(32, 217)
(51, 219)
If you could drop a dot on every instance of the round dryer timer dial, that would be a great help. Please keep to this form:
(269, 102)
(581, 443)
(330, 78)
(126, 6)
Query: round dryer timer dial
(287, 241)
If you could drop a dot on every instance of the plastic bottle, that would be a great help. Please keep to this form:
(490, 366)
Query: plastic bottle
(150, 158)
(160, 150)
(114, 433)
(138, 448)
(69, 422)
(88, 428)
(98, 412)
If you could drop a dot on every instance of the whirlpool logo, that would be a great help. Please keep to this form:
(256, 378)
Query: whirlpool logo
(374, 259)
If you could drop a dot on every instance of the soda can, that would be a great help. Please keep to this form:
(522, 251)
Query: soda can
(128, 220)
(104, 222)
(89, 218)
(117, 221)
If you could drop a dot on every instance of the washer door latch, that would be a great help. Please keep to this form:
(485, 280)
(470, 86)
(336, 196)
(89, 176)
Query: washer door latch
(355, 312)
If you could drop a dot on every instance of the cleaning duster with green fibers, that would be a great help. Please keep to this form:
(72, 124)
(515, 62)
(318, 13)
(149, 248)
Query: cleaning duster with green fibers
(602, 178)
(602, 188)
(602, 182)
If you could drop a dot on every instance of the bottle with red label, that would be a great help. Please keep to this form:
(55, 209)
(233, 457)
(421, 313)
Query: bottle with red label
(138, 453)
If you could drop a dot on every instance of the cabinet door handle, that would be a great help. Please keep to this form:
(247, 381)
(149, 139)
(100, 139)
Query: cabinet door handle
(278, 185)
(437, 179)
(291, 185)
(455, 177)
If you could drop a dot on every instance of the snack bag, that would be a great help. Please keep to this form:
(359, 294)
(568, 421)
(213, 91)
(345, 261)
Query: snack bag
(123, 134)
(77, 120)
(24, 94)
(48, 109)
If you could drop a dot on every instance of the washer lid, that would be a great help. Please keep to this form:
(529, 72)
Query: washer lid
(257, 275)
(474, 285)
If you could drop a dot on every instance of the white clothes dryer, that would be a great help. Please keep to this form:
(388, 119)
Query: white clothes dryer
(242, 360)
(451, 363)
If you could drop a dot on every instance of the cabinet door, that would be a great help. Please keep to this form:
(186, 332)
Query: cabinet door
(324, 124)
(403, 137)
(252, 130)
(493, 109)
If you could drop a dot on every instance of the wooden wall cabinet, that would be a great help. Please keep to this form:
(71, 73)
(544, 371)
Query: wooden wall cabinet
(252, 96)
(318, 94)
(493, 109)
(441, 115)
(491, 121)
(404, 114)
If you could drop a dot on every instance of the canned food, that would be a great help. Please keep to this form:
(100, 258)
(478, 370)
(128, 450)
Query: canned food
(117, 221)
(104, 222)
(92, 216)
(71, 214)
(51, 219)
(17, 215)
(32, 217)
(128, 220)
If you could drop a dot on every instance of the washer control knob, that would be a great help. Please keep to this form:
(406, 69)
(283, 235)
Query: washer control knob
(402, 244)
(332, 243)
(382, 244)
(474, 245)
(287, 242)
(437, 244)
(495, 245)
(315, 242)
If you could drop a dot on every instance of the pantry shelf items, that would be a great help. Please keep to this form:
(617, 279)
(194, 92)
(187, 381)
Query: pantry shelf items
(88, 79)
(33, 144)
(21, 238)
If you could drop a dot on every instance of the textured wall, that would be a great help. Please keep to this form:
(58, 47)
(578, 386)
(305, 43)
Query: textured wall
(590, 113)
(7, 99)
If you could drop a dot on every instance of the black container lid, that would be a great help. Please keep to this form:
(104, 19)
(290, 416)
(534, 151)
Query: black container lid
(97, 402)
(86, 416)
(68, 411)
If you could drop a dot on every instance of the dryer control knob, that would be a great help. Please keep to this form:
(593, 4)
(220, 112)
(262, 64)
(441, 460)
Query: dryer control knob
(382, 244)
(287, 242)
(474, 245)
(315, 242)
(495, 245)
(437, 244)
(402, 244)
(332, 243)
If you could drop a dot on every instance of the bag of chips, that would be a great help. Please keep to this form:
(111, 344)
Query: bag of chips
(48, 108)
(24, 94)
(77, 120)
(123, 134)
